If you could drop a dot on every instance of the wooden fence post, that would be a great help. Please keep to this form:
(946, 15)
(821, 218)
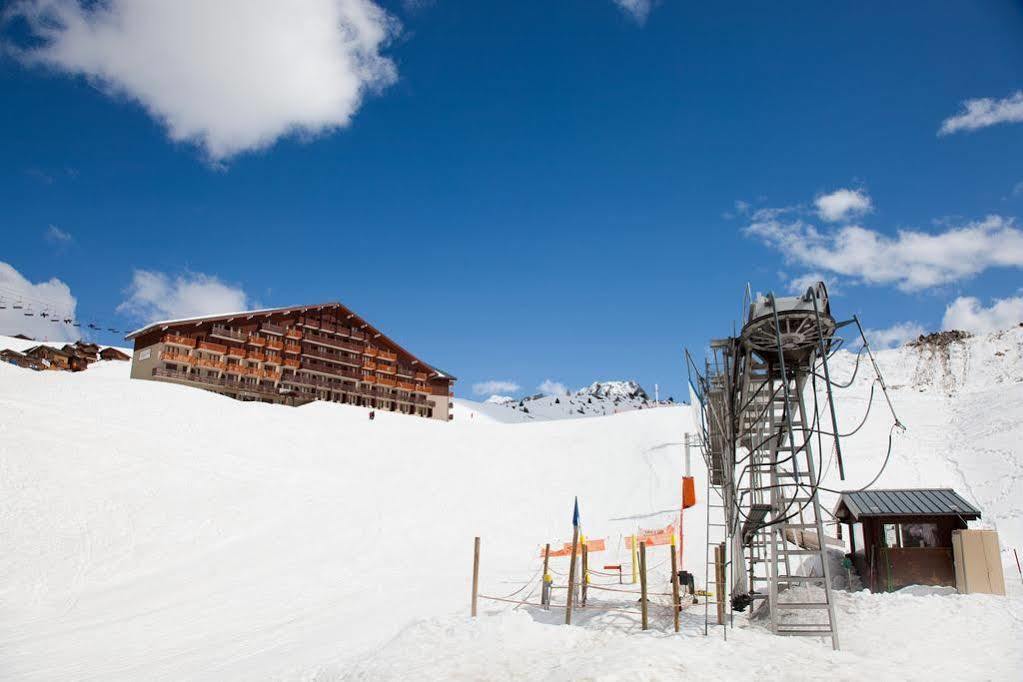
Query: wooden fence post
(719, 580)
(642, 581)
(675, 601)
(571, 577)
(475, 573)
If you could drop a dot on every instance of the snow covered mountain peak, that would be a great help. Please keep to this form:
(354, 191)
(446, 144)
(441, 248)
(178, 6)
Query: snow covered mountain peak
(623, 390)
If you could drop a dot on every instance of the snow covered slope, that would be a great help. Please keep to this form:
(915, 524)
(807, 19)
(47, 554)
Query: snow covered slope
(157, 532)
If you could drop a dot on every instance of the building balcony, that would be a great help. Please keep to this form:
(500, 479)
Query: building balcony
(176, 340)
(181, 358)
(211, 347)
(331, 342)
(234, 352)
(256, 355)
(210, 364)
(272, 359)
(388, 355)
(274, 344)
(292, 333)
(274, 329)
(233, 368)
(421, 376)
(225, 332)
(255, 340)
(386, 369)
(292, 362)
(272, 374)
(292, 348)
(371, 351)
(370, 365)
(356, 334)
(385, 381)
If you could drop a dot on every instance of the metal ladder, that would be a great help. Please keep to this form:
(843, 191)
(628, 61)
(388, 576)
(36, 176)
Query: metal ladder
(795, 508)
(717, 533)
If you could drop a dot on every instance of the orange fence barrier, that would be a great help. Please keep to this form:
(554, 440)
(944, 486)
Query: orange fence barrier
(592, 545)
(659, 536)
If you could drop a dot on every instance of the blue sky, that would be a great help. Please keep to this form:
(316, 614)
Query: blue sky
(519, 192)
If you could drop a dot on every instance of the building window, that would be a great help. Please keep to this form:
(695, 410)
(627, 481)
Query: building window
(920, 535)
(889, 535)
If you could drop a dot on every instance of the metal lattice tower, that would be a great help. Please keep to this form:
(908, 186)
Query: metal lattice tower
(758, 446)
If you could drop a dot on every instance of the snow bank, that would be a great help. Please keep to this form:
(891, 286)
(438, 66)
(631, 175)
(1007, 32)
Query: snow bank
(158, 532)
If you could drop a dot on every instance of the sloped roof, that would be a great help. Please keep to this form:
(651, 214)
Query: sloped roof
(164, 324)
(855, 505)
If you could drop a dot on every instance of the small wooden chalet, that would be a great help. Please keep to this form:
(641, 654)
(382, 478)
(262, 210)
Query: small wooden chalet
(88, 350)
(50, 357)
(20, 359)
(111, 353)
(903, 537)
(77, 360)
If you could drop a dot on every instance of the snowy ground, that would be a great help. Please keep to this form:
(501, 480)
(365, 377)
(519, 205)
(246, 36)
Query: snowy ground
(158, 532)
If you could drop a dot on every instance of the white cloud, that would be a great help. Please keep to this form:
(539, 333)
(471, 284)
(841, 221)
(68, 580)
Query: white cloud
(154, 296)
(800, 283)
(52, 297)
(637, 9)
(1017, 189)
(230, 75)
(495, 386)
(842, 204)
(984, 112)
(57, 236)
(894, 336)
(911, 260)
(968, 314)
(552, 388)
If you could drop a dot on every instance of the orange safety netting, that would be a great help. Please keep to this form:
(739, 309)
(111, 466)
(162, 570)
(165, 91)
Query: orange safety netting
(658, 536)
(592, 545)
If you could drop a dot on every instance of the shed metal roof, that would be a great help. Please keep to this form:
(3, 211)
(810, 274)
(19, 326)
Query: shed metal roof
(855, 505)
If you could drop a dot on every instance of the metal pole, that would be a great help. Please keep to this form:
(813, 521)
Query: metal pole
(642, 582)
(827, 381)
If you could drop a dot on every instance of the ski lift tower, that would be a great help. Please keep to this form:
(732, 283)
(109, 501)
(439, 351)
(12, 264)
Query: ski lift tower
(757, 441)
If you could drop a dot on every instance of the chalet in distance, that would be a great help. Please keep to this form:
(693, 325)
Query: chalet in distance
(292, 356)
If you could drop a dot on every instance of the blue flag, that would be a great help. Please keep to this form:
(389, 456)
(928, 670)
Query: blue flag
(575, 514)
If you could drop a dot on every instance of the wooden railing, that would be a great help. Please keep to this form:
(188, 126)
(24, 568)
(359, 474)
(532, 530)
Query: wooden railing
(178, 340)
(234, 352)
(171, 356)
(212, 347)
(256, 355)
(388, 355)
(370, 365)
(371, 351)
(274, 344)
(256, 340)
(292, 333)
(228, 333)
(273, 358)
(292, 362)
(271, 328)
(421, 376)
(292, 348)
(386, 369)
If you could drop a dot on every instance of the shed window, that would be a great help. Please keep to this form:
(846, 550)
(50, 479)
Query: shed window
(919, 535)
(890, 534)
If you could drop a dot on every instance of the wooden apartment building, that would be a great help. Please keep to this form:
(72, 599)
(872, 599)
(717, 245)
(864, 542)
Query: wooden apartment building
(293, 356)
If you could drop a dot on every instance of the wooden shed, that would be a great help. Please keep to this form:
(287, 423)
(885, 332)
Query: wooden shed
(903, 537)
(21, 360)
